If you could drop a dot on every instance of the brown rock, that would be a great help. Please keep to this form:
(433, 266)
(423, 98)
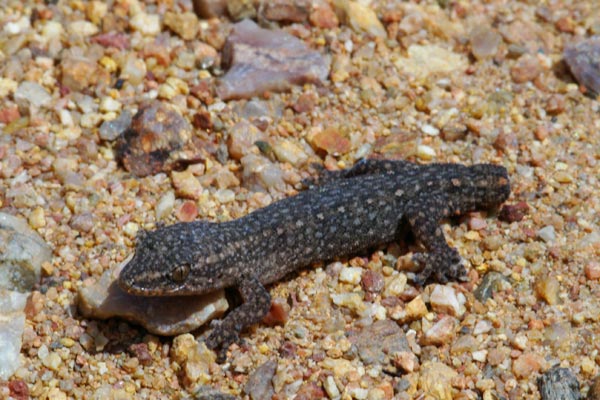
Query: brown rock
(594, 392)
(151, 143)
(305, 103)
(202, 120)
(112, 39)
(555, 104)
(372, 281)
(506, 141)
(187, 212)
(526, 364)
(18, 389)
(210, 8)
(592, 270)
(278, 313)
(513, 213)
(140, 350)
(323, 16)
(78, 74)
(565, 24)
(9, 114)
(260, 60)
(331, 140)
(527, 68)
(285, 10)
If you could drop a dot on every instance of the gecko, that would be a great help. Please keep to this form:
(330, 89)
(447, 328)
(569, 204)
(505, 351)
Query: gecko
(341, 214)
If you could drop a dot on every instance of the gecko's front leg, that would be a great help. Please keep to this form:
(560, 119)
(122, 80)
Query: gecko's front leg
(440, 260)
(257, 302)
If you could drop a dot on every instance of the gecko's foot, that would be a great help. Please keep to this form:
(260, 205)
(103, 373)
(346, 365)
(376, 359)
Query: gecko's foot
(220, 339)
(442, 267)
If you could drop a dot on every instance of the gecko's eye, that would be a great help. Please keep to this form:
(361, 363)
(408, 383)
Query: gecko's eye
(180, 272)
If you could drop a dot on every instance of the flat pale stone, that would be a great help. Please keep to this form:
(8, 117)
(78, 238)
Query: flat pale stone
(22, 252)
(12, 324)
(169, 315)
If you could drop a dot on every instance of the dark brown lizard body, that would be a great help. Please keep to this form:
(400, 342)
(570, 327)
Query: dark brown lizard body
(347, 212)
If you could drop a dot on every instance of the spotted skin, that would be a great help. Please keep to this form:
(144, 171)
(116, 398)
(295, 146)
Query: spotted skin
(344, 212)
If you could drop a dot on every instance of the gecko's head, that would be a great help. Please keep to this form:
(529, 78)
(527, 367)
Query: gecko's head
(162, 262)
(488, 185)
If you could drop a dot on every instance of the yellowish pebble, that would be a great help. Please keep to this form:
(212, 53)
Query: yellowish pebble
(109, 64)
(67, 342)
(37, 218)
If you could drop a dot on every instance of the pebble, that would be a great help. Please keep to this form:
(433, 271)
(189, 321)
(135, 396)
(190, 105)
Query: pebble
(464, 344)
(331, 140)
(290, 151)
(260, 382)
(146, 24)
(379, 341)
(482, 326)
(195, 359)
(185, 24)
(430, 130)
(360, 18)
(444, 300)
(547, 288)
(260, 60)
(351, 300)
(415, 309)
(547, 234)
(527, 68)
(241, 9)
(406, 361)
(424, 60)
(484, 42)
(592, 270)
(210, 8)
(395, 285)
(559, 384)
(258, 172)
(186, 184)
(594, 392)
(12, 325)
(350, 275)
(286, 10)
(441, 332)
(242, 136)
(23, 252)
(82, 28)
(322, 15)
(154, 139)
(513, 212)
(426, 153)
(78, 73)
(435, 379)
(31, 96)
(331, 388)
(111, 129)
(108, 104)
(582, 59)
(162, 316)
(372, 281)
(526, 364)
